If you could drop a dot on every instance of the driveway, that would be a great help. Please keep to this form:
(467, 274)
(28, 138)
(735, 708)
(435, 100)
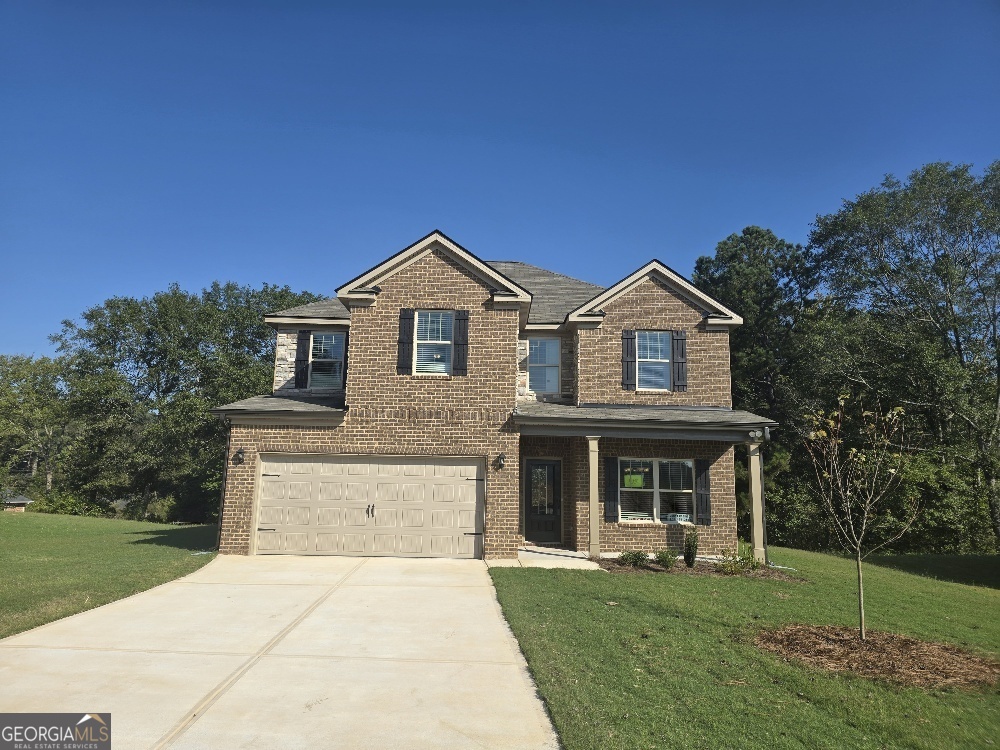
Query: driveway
(291, 652)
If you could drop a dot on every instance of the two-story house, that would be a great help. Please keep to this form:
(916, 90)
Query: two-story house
(446, 406)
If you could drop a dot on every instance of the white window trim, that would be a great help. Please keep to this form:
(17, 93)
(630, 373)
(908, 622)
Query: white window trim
(668, 360)
(343, 370)
(656, 492)
(416, 344)
(558, 365)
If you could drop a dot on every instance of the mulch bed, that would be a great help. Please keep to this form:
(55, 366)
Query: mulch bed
(701, 568)
(887, 656)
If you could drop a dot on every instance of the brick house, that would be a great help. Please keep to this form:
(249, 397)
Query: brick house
(445, 406)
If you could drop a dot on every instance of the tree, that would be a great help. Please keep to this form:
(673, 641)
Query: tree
(921, 261)
(859, 458)
(35, 424)
(143, 375)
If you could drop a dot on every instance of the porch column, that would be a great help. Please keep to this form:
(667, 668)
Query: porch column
(756, 471)
(595, 518)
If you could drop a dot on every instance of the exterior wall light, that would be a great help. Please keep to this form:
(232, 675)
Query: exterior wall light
(501, 460)
(238, 457)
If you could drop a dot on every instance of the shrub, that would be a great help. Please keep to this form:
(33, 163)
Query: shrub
(633, 558)
(690, 546)
(737, 562)
(666, 558)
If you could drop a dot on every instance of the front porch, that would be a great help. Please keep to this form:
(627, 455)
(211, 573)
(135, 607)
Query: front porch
(604, 479)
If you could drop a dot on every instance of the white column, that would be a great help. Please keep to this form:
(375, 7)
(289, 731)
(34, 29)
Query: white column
(595, 518)
(755, 469)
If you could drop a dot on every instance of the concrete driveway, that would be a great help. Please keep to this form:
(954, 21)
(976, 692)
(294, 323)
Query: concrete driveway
(291, 652)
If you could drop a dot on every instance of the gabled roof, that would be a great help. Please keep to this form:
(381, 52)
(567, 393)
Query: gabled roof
(328, 309)
(717, 313)
(553, 295)
(365, 285)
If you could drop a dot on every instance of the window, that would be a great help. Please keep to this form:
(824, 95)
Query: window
(543, 365)
(656, 490)
(653, 357)
(326, 368)
(434, 342)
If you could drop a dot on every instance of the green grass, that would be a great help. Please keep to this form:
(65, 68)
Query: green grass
(673, 664)
(54, 566)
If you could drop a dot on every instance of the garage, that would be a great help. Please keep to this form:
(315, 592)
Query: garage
(416, 506)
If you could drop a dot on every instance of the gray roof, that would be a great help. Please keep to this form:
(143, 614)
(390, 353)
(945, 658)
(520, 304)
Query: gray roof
(540, 412)
(554, 296)
(273, 404)
(18, 500)
(327, 308)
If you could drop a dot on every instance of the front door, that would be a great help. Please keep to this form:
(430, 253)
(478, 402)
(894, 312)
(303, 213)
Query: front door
(543, 498)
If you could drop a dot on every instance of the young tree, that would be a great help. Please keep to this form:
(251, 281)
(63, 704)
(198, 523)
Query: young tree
(860, 458)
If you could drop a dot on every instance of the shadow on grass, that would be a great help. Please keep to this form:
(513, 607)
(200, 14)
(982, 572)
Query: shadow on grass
(972, 570)
(194, 538)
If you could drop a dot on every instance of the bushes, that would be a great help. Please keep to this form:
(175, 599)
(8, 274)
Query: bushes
(633, 558)
(690, 546)
(739, 561)
(666, 558)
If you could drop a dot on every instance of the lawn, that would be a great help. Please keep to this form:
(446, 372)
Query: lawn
(672, 664)
(54, 566)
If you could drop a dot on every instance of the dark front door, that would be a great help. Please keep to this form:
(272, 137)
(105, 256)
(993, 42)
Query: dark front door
(543, 497)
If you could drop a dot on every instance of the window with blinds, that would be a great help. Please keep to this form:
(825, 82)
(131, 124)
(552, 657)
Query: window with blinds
(434, 341)
(326, 366)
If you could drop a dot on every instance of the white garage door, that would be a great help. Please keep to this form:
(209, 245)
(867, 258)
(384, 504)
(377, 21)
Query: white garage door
(370, 505)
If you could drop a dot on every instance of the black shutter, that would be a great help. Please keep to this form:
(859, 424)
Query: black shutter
(404, 353)
(460, 345)
(611, 489)
(628, 360)
(702, 493)
(679, 360)
(302, 343)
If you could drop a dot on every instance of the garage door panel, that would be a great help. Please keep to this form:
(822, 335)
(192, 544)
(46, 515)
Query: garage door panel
(353, 543)
(368, 505)
(387, 492)
(329, 491)
(272, 515)
(412, 517)
(328, 516)
(329, 543)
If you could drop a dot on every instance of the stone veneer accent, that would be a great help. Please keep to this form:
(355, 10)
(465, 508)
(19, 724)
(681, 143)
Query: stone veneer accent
(284, 359)
(567, 367)
(391, 414)
(651, 305)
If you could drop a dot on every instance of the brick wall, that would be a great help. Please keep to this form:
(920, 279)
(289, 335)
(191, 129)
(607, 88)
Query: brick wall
(651, 305)
(390, 414)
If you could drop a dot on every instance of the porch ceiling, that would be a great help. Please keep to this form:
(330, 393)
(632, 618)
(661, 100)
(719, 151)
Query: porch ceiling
(657, 422)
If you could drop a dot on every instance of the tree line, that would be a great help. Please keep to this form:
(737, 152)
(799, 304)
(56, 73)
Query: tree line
(893, 302)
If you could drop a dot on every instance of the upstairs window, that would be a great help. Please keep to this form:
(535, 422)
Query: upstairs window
(326, 367)
(543, 365)
(653, 359)
(435, 336)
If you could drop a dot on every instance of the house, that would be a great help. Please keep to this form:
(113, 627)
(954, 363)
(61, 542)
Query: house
(446, 406)
(16, 504)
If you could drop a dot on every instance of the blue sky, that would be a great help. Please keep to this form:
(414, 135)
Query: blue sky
(299, 143)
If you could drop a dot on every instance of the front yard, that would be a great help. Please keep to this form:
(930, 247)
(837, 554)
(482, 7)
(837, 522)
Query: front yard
(668, 661)
(54, 566)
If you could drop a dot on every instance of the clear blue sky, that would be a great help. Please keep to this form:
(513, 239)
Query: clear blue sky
(298, 143)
